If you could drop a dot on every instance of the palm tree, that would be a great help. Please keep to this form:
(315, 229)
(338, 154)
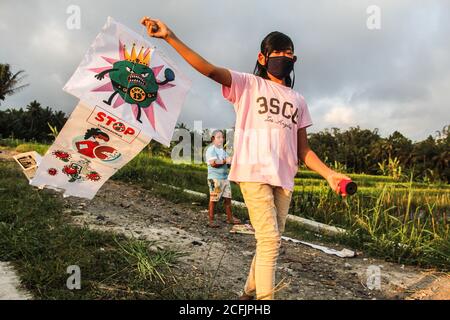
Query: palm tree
(59, 118)
(34, 111)
(181, 125)
(9, 82)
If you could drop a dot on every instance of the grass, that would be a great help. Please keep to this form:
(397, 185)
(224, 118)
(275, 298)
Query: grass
(147, 263)
(37, 237)
(399, 227)
(23, 146)
(402, 222)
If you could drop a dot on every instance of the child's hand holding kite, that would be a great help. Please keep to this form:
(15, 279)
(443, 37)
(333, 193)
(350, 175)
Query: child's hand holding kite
(156, 28)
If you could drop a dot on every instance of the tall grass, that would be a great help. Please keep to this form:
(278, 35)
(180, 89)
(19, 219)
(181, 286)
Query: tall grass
(385, 224)
(149, 265)
(404, 222)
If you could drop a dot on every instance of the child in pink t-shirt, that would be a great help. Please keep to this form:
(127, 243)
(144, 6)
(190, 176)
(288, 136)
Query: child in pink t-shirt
(270, 139)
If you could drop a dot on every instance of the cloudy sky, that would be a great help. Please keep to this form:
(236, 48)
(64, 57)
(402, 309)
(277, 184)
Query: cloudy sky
(393, 78)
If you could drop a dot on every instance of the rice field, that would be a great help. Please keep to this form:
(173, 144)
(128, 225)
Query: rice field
(406, 222)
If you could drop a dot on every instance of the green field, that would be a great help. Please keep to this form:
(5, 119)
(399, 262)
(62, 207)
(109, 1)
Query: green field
(400, 221)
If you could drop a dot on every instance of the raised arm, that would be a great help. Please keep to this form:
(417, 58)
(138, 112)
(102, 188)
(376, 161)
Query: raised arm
(157, 29)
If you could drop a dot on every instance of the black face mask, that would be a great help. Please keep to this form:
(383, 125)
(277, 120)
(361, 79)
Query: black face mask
(281, 66)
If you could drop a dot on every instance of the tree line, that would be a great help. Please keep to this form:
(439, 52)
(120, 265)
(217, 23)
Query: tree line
(365, 151)
(35, 123)
(358, 150)
(354, 150)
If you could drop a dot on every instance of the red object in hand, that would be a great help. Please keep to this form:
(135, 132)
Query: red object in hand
(347, 187)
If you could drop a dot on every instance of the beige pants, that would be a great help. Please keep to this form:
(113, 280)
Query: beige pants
(268, 207)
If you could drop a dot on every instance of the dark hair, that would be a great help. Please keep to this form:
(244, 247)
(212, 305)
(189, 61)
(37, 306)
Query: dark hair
(94, 132)
(213, 134)
(274, 41)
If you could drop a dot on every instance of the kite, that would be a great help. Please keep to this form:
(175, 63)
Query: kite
(91, 147)
(123, 105)
(126, 74)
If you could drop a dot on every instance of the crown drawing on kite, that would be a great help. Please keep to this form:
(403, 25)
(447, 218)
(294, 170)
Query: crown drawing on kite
(134, 81)
(142, 58)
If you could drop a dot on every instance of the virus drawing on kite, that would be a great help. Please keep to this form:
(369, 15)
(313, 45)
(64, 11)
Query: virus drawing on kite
(62, 155)
(134, 81)
(80, 171)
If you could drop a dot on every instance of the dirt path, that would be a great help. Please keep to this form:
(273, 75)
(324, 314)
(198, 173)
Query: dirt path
(10, 284)
(310, 274)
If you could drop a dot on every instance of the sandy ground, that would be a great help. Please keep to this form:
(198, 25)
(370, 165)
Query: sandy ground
(308, 273)
(10, 284)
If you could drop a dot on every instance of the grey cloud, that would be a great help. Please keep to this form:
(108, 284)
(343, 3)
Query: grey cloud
(392, 74)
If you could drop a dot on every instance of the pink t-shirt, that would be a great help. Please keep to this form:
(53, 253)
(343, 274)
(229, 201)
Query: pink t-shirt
(268, 116)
